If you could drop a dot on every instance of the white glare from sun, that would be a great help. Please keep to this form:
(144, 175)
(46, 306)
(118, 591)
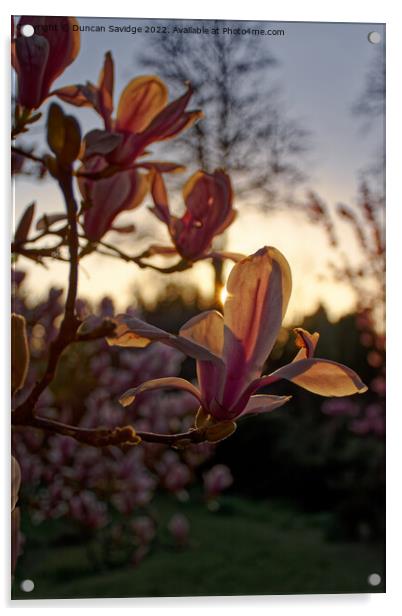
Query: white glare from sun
(223, 295)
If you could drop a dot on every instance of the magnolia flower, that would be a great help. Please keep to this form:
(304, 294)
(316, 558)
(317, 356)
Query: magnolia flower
(208, 199)
(39, 59)
(231, 349)
(143, 117)
(109, 197)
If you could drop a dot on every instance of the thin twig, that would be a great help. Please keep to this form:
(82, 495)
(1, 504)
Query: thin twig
(69, 325)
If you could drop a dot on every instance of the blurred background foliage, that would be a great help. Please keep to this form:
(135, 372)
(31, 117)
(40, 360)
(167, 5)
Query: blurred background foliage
(305, 510)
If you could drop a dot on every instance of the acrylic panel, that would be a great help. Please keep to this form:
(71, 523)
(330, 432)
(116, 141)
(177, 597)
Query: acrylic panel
(198, 346)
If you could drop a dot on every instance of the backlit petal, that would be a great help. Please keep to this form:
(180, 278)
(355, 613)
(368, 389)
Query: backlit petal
(306, 342)
(164, 383)
(206, 329)
(141, 100)
(264, 404)
(320, 376)
(208, 198)
(133, 332)
(258, 293)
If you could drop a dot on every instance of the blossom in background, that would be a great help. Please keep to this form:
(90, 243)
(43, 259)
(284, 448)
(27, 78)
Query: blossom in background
(39, 59)
(208, 199)
(217, 479)
(143, 117)
(231, 349)
(179, 528)
(67, 479)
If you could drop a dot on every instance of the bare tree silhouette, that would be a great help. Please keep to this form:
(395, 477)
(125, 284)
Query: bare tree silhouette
(245, 129)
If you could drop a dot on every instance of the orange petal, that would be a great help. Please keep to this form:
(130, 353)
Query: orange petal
(141, 100)
(306, 342)
(77, 95)
(321, 376)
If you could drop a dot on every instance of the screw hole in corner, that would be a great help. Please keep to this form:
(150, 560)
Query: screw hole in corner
(27, 30)
(27, 585)
(374, 579)
(374, 37)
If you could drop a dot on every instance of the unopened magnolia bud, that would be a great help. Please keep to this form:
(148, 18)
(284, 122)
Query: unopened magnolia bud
(19, 352)
(63, 135)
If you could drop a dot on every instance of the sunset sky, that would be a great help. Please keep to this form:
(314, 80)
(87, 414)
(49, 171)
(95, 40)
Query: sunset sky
(322, 70)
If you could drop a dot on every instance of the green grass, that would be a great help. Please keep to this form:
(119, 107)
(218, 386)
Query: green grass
(245, 548)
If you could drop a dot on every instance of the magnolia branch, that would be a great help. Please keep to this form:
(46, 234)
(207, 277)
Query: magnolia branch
(70, 324)
(138, 259)
(120, 436)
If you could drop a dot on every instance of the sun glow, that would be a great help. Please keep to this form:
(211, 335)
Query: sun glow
(223, 295)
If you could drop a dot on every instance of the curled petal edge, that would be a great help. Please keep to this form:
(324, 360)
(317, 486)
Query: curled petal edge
(168, 382)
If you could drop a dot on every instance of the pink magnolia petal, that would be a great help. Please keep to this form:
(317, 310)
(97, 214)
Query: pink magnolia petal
(264, 404)
(109, 196)
(167, 382)
(206, 329)
(133, 332)
(60, 36)
(258, 293)
(208, 198)
(106, 87)
(320, 376)
(160, 197)
(171, 120)
(31, 55)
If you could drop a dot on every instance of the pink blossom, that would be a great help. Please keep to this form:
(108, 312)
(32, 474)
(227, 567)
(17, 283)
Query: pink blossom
(217, 479)
(179, 528)
(231, 349)
(208, 199)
